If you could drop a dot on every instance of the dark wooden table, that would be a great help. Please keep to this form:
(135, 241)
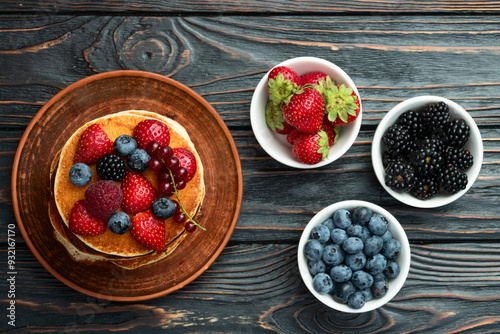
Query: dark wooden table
(392, 50)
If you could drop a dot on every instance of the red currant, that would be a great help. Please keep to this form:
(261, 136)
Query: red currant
(180, 174)
(166, 188)
(180, 184)
(177, 206)
(155, 165)
(190, 227)
(180, 217)
(172, 163)
(165, 153)
(164, 176)
(152, 148)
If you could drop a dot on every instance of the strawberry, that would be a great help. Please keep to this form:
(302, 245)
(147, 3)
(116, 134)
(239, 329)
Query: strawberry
(275, 119)
(313, 78)
(305, 111)
(331, 131)
(186, 160)
(341, 104)
(293, 135)
(92, 145)
(148, 230)
(150, 130)
(311, 149)
(282, 82)
(138, 193)
(81, 222)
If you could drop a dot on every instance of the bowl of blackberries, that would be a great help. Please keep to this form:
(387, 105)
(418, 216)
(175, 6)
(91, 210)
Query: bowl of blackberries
(427, 151)
(354, 256)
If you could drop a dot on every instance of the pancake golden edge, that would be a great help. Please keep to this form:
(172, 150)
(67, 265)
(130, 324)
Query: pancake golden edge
(123, 250)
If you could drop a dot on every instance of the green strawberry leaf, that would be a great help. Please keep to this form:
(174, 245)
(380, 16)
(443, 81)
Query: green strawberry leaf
(274, 116)
(281, 90)
(323, 143)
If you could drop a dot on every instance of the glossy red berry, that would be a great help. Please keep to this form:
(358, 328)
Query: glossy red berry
(172, 163)
(166, 189)
(152, 148)
(164, 176)
(179, 217)
(180, 174)
(165, 153)
(190, 227)
(180, 184)
(154, 165)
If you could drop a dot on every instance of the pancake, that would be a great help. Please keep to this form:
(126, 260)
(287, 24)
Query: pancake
(122, 250)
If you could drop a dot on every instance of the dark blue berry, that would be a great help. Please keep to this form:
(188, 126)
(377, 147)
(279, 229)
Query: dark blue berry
(392, 269)
(124, 145)
(329, 223)
(361, 215)
(322, 283)
(367, 293)
(362, 279)
(338, 236)
(80, 174)
(377, 224)
(137, 161)
(355, 261)
(163, 208)
(119, 222)
(380, 288)
(341, 273)
(386, 236)
(342, 218)
(391, 249)
(316, 267)
(313, 250)
(373, 245)
(321, 233)
(353, 245)
(342, 292)
(376, 264)
(333, 254)
(356, 300)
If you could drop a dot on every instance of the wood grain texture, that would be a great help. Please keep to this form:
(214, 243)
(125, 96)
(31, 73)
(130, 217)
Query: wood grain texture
(254, 286)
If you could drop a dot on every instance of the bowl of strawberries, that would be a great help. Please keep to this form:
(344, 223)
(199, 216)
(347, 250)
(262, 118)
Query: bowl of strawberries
(306, 112)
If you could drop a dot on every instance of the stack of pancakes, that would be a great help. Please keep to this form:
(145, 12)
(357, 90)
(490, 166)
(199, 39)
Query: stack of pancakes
(122, 250)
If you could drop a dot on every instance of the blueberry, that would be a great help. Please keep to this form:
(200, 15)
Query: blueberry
(392, 269)
(373, 245)
(367, 293)
(329, 223)
(80, 174)
(124, 145)
(137, 161)
(376, 264)
(359, 231)
(379, 277)
(333, 254)
(322, 283)
(119, 222)
(362, 279)
(380, 288)
(342, 218)
(361, 215)
(353, 245)
(321, 233)
(342, 292)
(356, 300)
(313, 250)
(391, 249)
(163, 208)
(341, 273)
(316, 267)
(377, 224)
(338, 236)
(355, 261)
(386, 236)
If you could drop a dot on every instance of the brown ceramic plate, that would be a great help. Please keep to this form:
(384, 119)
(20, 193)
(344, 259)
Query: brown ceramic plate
(103, 94)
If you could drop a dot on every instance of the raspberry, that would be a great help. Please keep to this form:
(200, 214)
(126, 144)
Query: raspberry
(103, 198)
(111, 167)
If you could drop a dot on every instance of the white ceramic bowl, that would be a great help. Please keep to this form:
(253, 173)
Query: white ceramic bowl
(403, 259)
(474, 145)
(275, 144)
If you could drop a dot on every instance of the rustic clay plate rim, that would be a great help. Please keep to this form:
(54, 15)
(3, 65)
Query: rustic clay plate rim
(106, 75)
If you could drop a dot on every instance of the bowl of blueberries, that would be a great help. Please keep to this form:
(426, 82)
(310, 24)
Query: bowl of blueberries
(427, 151)
(354, 256)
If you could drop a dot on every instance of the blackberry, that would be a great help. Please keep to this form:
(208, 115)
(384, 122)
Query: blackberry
(425, 187)
(436, 116)
(397, 140)
(387, 158)
(111, 167)
(399, 176)
(457, 133)
(426, 161)
(413, 122)
(458, 157)
(452, 180)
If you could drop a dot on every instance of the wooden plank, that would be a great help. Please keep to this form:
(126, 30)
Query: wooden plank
(272, 6)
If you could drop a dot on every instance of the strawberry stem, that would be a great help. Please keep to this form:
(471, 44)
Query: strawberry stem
(180, 203)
